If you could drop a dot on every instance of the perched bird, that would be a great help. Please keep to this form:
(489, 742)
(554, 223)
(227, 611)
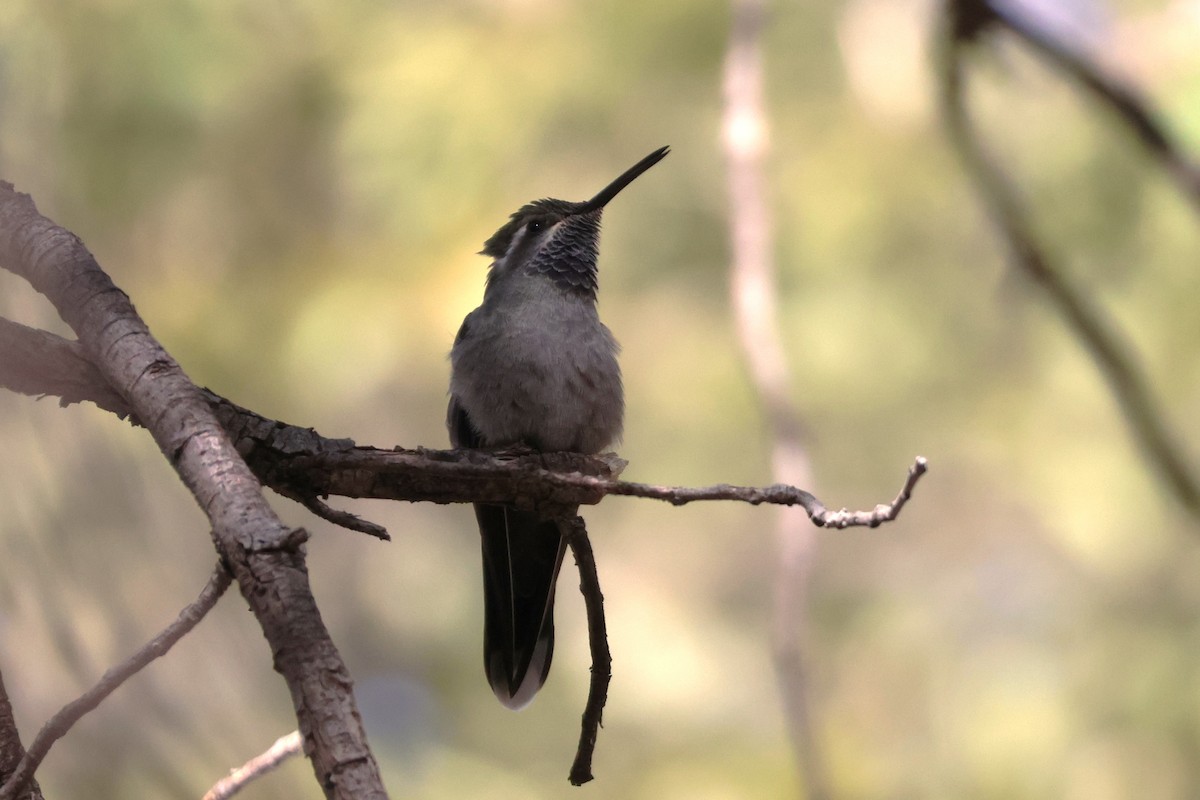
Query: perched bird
(534, 366)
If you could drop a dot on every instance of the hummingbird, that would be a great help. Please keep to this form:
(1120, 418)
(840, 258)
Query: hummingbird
(534, 366)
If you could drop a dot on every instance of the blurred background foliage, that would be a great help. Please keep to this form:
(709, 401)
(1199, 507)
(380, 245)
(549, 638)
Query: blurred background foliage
(293, 195)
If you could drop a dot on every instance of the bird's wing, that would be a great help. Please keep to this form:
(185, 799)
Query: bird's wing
(462, 432)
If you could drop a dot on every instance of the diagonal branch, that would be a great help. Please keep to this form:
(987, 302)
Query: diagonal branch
(60, 723)
(1097, 334)
(1131, 109)
(265, 556)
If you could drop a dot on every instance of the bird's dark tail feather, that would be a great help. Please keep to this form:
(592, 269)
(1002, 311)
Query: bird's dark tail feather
(522, 554)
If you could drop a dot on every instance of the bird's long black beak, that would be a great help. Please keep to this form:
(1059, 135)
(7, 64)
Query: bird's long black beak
(611, 191)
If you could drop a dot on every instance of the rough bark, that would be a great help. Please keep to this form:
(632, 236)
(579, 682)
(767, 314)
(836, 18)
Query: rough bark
(11, 750)
(265, 556)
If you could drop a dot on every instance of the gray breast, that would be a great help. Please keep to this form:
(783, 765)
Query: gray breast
(543, 373)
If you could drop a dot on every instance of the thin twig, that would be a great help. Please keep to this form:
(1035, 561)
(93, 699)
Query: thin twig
(593, 599)
(1097, 333)
(60, 723)
(881, 513)
(343, 519)
(1134, 111)
(784, 495)
(284, 748)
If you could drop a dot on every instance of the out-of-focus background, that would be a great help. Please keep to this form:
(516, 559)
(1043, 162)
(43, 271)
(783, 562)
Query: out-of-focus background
(293, 195)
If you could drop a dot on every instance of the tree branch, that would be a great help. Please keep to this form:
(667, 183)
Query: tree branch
(60, 723)
(974, 17)
(11, 751)
(264, 554)
(40, 363)
(784, 495)
(284, 748)
(1096, 333)
(301, 464)
(593, 599)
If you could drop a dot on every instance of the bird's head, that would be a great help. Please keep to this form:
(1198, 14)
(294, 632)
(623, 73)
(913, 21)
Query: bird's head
(558, 239)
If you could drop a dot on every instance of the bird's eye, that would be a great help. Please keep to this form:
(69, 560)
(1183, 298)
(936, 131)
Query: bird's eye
(538, 223)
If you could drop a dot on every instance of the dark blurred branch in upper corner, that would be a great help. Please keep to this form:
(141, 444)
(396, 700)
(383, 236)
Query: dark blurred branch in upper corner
(970, 20)
(301, 464)
(966, 21)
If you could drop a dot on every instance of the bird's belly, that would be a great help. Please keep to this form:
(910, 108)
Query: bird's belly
(551, 395)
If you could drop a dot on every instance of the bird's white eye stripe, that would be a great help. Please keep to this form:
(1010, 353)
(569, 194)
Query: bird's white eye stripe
(517, 238)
